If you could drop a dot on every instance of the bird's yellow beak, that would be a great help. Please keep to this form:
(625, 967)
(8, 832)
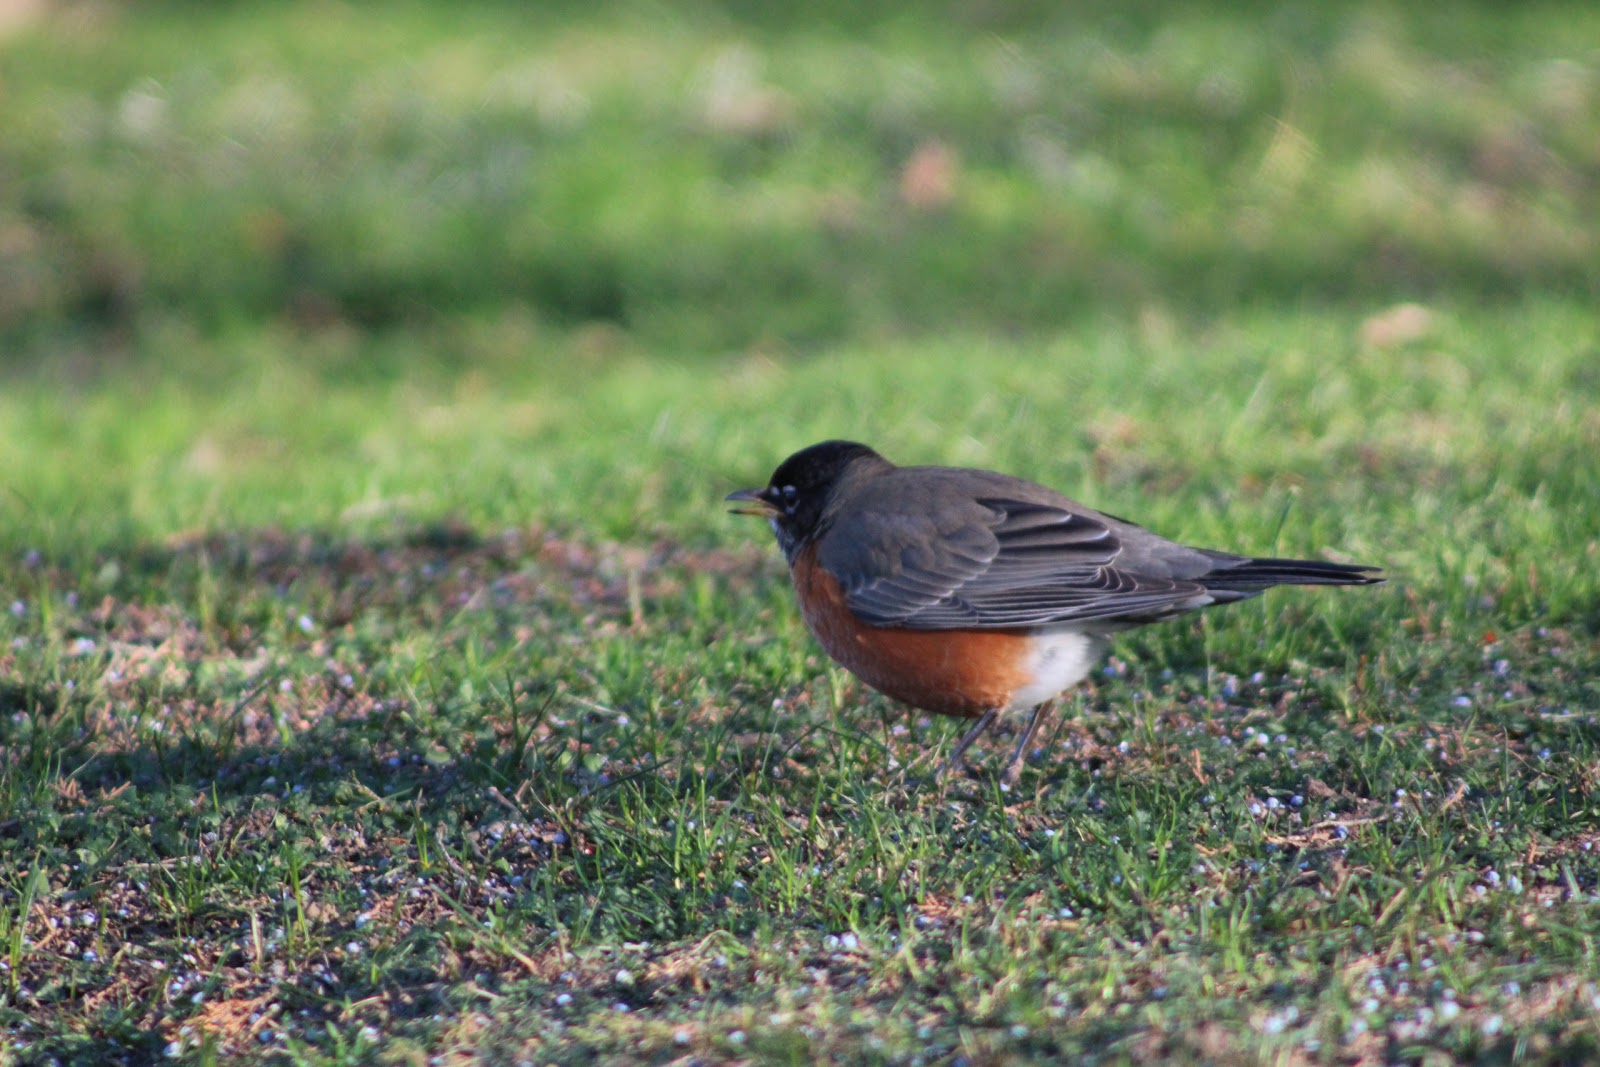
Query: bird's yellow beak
(754, 502)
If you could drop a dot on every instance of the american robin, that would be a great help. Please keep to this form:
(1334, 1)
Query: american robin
(972, 593)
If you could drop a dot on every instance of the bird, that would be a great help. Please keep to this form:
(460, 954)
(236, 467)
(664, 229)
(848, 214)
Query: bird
(976, 594)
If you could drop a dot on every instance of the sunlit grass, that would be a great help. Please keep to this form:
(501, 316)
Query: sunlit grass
(707, 183)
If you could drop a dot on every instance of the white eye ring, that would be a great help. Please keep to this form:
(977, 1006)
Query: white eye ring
(790, 495)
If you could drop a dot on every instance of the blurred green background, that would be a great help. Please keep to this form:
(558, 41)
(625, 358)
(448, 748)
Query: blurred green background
(704, 178)
(272, 263)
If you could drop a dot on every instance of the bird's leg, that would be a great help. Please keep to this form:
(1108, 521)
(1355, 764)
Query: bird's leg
(1013, 767)
(984, 722)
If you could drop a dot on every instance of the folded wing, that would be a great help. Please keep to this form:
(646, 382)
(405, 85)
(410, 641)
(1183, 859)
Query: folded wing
(998, 563)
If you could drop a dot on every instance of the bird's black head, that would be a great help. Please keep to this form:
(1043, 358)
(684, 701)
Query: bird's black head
(797, 495)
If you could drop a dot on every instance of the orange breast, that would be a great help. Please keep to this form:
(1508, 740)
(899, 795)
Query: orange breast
(950, 672)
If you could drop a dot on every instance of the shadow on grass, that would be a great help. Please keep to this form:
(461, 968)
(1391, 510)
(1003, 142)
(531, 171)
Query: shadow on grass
(272, 766)
(298, 785)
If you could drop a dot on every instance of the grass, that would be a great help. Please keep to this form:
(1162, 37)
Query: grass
(708, 180)
(382, 680)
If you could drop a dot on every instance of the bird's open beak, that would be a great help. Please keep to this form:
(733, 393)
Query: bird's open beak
(754, 502)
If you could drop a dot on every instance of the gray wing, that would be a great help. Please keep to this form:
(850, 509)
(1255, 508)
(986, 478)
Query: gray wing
(1001, 563)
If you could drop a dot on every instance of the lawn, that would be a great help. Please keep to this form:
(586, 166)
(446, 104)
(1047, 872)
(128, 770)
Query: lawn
(383, 679)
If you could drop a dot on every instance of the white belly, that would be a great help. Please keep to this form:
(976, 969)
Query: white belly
(1060, 659)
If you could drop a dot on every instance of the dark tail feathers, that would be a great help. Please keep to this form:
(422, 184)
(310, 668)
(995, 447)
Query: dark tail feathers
(1246, 577)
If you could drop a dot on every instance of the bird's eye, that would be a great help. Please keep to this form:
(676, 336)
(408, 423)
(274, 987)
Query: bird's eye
(791, 496)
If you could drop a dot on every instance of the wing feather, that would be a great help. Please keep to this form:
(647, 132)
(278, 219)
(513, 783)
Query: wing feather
(997, 564)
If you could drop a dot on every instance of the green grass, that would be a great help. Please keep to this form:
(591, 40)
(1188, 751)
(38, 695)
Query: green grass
(381, 678)
(710, 181)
